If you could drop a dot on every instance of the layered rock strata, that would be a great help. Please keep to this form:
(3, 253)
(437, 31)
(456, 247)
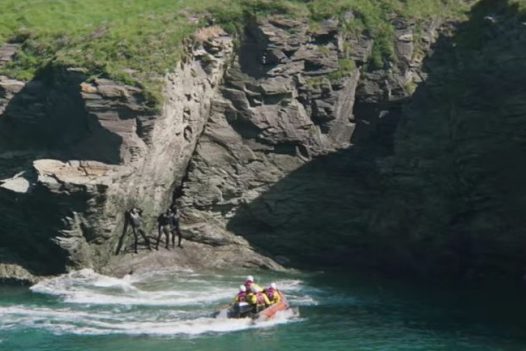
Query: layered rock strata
(76, 154)
(295, 96)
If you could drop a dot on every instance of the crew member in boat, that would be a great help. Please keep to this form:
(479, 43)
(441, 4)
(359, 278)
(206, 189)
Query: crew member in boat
(249, 283)
(241, 295)
(257, 299)
(273, 294)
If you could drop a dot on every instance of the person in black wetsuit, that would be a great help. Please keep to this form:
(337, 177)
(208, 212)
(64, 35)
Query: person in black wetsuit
(174, 221)
(134, 219)
(164, 226)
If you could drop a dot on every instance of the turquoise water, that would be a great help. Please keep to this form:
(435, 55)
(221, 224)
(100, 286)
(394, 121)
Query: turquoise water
(84, 311)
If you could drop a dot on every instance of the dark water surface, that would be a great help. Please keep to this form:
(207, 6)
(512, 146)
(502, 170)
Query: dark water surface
(84, 311)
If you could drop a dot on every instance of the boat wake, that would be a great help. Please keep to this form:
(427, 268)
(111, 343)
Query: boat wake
(169, 304)
(88, 287)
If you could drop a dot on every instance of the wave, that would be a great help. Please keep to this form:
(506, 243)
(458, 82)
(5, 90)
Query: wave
(161, 303)
(87, 287)
(68, 321)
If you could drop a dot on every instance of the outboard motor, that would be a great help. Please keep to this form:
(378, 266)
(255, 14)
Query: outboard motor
(240, 310)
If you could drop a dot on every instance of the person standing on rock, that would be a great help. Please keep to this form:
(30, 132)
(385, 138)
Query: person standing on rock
(174, 222)
(133, 218)
(165, 226)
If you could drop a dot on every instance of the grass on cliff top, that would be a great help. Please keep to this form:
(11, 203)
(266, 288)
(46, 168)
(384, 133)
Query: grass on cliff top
(127, 40)
(139, 40)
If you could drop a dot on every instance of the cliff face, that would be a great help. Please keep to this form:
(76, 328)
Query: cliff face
(77, 154)
(432, 181)
(455, 189)
(287, 159)
(276, 111)
(291, 144)
(80, 153)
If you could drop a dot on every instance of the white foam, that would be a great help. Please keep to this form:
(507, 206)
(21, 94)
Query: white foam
(68, 321)
(91, 303)
(88, 287)
(81, 279)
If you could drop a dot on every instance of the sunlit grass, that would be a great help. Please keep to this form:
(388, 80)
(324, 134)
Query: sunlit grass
(139, 40)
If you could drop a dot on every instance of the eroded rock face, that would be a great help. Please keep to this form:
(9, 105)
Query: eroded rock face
(60, 213)
(282, 105)
(284, 102)
(289, 158)
(292, 146)
(432, 183)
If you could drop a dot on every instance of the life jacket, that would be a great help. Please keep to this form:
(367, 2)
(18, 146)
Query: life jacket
(260, 298)
(241, 296)
(273, 295)
(270, 293)
(251, 298)
(249, 284)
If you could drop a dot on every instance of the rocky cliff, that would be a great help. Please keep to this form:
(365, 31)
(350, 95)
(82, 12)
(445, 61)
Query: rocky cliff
(291, 144)
(267, 165)
(454, 190)
(276, 111)
(432, 180)
(77, 153)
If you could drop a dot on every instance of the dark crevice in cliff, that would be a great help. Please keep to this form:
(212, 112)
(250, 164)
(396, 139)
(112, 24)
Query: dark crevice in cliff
(179, 186)
(254, 59)
(40, 224)
(47, 118)
(376, 124)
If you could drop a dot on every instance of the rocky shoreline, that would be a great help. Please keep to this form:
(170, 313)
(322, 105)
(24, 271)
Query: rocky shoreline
(233, 124)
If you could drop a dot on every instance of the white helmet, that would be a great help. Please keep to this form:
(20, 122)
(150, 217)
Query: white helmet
(254, 288)
(250, 278)
(242, 288)
(273, 286)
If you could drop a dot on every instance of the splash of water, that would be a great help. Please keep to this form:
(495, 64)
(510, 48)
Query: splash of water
(168, 304)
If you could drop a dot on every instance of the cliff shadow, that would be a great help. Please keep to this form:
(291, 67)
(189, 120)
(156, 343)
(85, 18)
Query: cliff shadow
(48, 117)
(424, 187)
(29, 227)
(254, 58)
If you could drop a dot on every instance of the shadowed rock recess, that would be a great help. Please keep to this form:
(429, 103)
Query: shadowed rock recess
(431, 184)
(283, 160)
(290, 150)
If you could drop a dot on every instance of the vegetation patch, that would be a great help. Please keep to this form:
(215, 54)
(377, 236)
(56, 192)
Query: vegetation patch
(345, 68)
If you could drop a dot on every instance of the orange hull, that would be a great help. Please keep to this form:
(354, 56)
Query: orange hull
(270, 311)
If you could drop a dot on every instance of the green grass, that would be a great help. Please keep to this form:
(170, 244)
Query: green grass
(521, 5)
(374, 18)
(137, 41)
(346, 68)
